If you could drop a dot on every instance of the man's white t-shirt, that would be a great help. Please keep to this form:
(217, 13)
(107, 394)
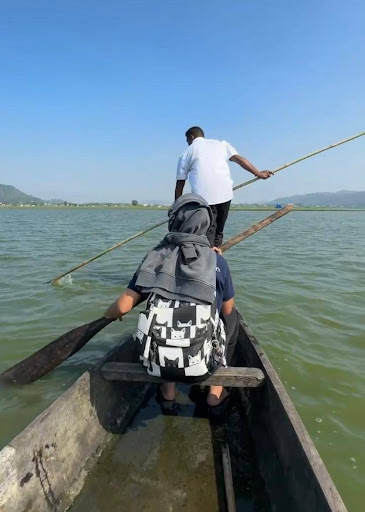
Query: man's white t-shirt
(205, 163)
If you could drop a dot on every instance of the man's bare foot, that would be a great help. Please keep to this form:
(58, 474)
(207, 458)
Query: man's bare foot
(168, 390)
(216, 395)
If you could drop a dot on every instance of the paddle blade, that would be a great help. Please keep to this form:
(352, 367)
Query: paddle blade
(47, 358)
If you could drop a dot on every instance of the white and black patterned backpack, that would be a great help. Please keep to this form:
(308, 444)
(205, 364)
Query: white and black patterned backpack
(180, 341)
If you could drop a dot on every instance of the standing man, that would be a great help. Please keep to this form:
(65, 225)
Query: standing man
(205, 162)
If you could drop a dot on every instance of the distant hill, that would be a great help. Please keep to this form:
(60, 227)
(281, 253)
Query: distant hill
(12, 195)
(345, 198)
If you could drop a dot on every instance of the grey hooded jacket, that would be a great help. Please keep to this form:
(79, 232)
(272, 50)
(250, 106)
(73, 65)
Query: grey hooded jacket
(182, 266)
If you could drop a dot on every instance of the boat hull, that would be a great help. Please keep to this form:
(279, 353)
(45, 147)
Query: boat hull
(45, 466)
(295, 476)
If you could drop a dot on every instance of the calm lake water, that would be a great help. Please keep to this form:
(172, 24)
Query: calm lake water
(300, 284)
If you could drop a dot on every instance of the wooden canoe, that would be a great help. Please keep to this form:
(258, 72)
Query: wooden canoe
(47, 465)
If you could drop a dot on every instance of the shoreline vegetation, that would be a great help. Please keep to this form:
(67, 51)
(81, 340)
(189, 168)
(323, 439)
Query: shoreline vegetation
(343, 200)
(233, 208)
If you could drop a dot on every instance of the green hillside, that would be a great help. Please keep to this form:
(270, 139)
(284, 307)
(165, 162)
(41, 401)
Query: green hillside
(11, 195)
(344, 198)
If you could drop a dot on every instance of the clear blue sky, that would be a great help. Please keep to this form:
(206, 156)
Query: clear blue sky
(96, 95)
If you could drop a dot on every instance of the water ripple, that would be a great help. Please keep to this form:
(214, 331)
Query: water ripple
(299, 284)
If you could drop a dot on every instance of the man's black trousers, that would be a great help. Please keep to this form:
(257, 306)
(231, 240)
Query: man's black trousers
(220, 214)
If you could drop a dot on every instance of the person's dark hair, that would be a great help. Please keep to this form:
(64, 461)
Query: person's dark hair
(195, 131)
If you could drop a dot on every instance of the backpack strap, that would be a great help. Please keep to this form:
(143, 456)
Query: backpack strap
(150, 319)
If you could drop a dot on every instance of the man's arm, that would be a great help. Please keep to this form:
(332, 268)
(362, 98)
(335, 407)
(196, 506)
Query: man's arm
(179, 188)
(227, 307)
(245, 164)
(183, 167)
(123, 304)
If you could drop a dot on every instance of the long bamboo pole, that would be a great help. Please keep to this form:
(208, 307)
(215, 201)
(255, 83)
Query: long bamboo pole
(303, 158)
(256, 227)
(136, 235)
(140, 233)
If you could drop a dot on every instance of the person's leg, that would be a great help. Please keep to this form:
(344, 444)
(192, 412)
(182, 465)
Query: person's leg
(166, 398)
(232, 326)
(221, 217)
(217, 394)
(168, 390)
(213, 226)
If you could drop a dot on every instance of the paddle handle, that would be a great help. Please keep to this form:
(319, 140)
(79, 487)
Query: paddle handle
(256, 227)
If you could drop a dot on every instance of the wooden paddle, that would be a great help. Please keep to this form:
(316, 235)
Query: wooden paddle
(47, 358)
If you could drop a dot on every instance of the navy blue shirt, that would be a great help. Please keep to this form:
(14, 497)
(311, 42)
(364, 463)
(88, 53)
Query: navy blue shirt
(224, 285)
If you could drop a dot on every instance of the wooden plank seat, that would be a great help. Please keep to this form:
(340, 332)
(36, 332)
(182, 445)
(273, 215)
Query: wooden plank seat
(230, 376)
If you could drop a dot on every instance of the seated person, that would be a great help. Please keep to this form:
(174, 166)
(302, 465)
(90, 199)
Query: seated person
(188, 288)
